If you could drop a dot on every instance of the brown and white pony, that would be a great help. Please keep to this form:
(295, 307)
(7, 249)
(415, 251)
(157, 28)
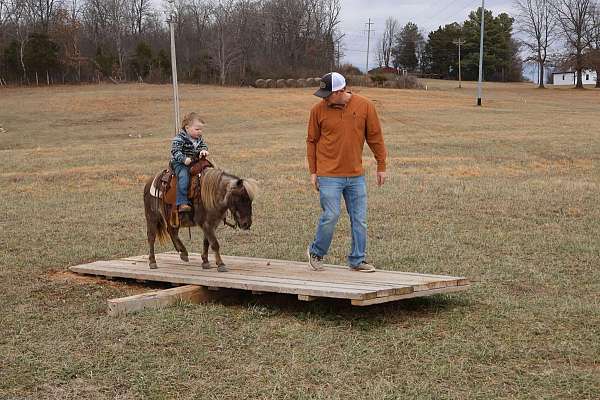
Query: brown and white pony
(219, 192)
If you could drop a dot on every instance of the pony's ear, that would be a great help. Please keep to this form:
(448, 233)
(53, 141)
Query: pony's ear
(239, 183)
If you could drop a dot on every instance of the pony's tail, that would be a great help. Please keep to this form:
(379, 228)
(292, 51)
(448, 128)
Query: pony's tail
(161, 230)
(154, 219)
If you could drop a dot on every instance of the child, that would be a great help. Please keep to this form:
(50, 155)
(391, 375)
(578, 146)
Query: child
(186, 146)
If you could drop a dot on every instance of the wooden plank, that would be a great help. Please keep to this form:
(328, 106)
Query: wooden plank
(380, 275)
(278, 276)
(223, 280)
(301, 264)
(200, 273)
(339, 276)
(318, 279)
(157, 299)
(255, 276)
(368, 302)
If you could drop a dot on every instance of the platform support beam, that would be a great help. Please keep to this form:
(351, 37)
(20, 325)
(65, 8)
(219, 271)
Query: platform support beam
(159, 299)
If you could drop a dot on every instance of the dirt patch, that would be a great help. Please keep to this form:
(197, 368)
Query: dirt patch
(78, 279)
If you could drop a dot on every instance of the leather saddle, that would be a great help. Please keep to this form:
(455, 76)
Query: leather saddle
(167, 183)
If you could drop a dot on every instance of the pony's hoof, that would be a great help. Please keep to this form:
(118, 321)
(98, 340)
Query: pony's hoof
(222, 268)
(205, 265)
(152, 265)
(184, 257)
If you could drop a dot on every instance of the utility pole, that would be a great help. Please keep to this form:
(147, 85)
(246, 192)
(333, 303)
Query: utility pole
(338, 54)
(479, 82)
(368, 44)
(459, 42)
(171, 22)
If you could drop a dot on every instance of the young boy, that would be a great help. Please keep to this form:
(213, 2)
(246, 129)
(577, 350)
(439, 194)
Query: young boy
(186, 146)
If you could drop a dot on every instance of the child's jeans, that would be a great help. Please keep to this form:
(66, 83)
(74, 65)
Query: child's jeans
(183, 180)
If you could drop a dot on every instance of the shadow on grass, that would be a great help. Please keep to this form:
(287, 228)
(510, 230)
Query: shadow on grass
(322, 311)
(333, 311)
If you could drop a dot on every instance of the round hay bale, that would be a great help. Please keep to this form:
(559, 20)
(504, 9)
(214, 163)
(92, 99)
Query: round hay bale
(281, 83)
(317, 82)
(291, 83)
(271, 83)
(260, 83)
(301, 82)
(309, 82)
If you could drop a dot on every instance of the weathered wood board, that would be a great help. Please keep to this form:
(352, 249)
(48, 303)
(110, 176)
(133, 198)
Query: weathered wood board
(277, 276)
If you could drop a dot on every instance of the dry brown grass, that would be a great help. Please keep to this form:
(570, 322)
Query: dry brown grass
(506, 194)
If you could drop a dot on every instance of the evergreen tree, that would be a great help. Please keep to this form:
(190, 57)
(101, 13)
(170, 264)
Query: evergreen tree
(142, 60)
(409, 44)
(41, 54)
(498, 46)
(441, 54)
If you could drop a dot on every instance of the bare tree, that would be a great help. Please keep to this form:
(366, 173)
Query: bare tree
(386, 43)
(332, 10)
(19, 16)
(74, 8)
(200, 11)
(225, 47)
(576, 22)
(593, 55)
(3, 13)
(536, 19)
(95, 17)
(138, 11)
(42, 11)
(117, 23)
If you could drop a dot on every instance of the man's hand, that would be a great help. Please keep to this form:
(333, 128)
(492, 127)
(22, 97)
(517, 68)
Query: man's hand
(187, 161)
(203, 153)
(314, 182)
(380, 178)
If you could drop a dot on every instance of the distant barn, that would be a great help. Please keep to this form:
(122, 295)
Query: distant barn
(568, 78)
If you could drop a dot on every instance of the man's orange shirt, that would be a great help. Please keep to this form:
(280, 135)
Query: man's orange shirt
(336, 137)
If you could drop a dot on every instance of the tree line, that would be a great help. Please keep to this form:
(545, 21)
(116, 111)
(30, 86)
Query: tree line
(563, 33)
(226, 41)
(437, 55)
(238, 41)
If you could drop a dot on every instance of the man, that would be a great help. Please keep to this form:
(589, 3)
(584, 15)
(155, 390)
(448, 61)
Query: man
(338, 127)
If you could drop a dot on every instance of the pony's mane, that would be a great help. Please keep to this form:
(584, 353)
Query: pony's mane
(251, 187)
(210, 187)
(212, 179)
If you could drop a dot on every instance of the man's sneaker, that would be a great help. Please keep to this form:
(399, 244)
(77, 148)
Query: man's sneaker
(362, 267)
(184, 208)
(314, 261)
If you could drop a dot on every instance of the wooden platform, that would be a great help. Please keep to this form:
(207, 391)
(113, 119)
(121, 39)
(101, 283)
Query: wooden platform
(291, 277)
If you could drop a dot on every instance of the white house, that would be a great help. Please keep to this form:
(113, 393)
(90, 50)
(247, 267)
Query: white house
(568, 78)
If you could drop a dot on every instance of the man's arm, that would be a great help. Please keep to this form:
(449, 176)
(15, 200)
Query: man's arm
(374, 137)
(314, 133)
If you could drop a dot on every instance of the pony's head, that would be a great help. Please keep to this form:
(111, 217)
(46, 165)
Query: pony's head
(222, 192)
(240, 194)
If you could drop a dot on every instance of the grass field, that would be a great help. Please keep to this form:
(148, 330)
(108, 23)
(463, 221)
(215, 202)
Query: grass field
(506, 195)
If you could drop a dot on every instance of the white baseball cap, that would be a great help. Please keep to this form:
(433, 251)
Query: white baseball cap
(331, 82)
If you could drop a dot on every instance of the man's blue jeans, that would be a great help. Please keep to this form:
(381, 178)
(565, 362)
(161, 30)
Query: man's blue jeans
(183, 180)
(354, 191)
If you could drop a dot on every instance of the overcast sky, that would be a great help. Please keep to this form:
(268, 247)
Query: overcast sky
(427, 14)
